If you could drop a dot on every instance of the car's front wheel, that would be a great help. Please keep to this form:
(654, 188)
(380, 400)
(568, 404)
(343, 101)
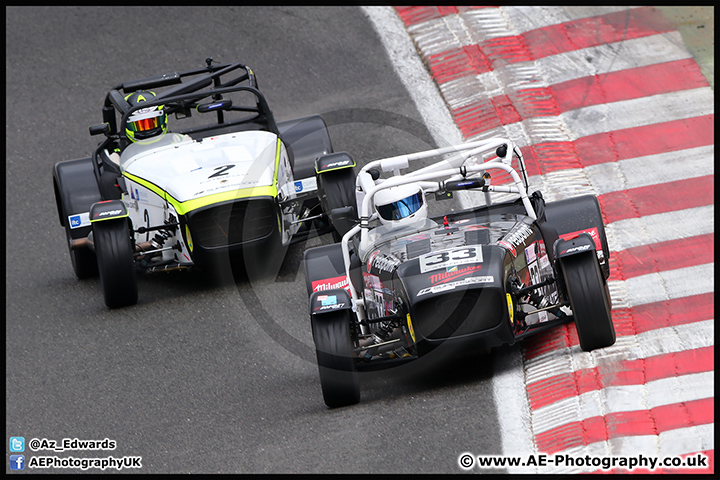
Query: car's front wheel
(113, 249)
(333, 346)
(590, 301)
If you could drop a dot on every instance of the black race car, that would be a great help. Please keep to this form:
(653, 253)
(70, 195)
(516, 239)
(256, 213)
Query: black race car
(220, 182)
(403, 282)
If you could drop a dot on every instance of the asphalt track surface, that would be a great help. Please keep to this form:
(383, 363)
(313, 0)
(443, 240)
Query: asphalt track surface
(206, 377)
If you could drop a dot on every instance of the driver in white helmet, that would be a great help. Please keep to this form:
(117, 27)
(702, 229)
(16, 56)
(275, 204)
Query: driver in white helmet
(402, 206)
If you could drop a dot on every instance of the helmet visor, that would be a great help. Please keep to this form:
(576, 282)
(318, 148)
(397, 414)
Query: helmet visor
(144, 125)
(146, 119)
(402, 208)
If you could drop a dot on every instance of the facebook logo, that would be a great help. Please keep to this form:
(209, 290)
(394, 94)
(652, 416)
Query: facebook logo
(17, 444)
(17, 462)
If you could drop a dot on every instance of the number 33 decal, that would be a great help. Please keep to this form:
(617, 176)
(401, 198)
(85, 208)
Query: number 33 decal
(450, 258)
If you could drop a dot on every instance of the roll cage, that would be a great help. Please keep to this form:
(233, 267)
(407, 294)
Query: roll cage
(188, 90)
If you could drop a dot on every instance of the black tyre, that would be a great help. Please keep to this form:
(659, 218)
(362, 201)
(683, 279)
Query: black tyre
(338, 190)
(590, 301)
(333, 345)
(113, 249)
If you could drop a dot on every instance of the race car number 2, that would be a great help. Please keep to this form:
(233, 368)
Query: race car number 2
(451, 258)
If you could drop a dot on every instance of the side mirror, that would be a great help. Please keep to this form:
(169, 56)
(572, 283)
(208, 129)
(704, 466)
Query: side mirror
(103, 128)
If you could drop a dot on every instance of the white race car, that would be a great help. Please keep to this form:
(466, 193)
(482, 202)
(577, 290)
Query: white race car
(233, 186)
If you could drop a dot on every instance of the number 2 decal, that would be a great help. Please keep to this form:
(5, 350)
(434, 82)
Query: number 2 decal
(450, 258)
(221, 171)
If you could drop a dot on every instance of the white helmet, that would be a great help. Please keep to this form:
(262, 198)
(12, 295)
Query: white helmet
(402, 205)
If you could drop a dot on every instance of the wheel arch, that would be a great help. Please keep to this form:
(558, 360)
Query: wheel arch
(580, 214)
(76, 190)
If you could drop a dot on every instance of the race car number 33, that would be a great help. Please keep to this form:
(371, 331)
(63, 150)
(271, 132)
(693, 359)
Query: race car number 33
(451, 258)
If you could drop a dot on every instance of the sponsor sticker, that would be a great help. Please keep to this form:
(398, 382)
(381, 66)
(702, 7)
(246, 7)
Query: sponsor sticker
(109, 213)
(579, 248)
(593, 233)
(340, 163)
(384, 263)
(461, 283)
(330, 284)
(306, 185)
(509, 247)
(530, 253)
(450, 258)
(453, 273)
(328, 300)
(334, 306)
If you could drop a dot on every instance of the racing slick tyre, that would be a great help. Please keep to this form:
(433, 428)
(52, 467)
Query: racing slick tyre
(113, 249)
(338, 189)
(333, 346)
(589, 300)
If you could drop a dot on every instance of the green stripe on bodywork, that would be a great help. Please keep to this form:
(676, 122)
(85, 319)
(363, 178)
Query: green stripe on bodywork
(109, 218)
(184, 207)
(334, 169)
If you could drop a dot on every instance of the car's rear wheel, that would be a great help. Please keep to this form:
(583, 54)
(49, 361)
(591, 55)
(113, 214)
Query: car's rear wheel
(333, 346)
(113, 248)
(590, 301)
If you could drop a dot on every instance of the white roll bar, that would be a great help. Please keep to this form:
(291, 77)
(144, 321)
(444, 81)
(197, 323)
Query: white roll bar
(448, 169)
